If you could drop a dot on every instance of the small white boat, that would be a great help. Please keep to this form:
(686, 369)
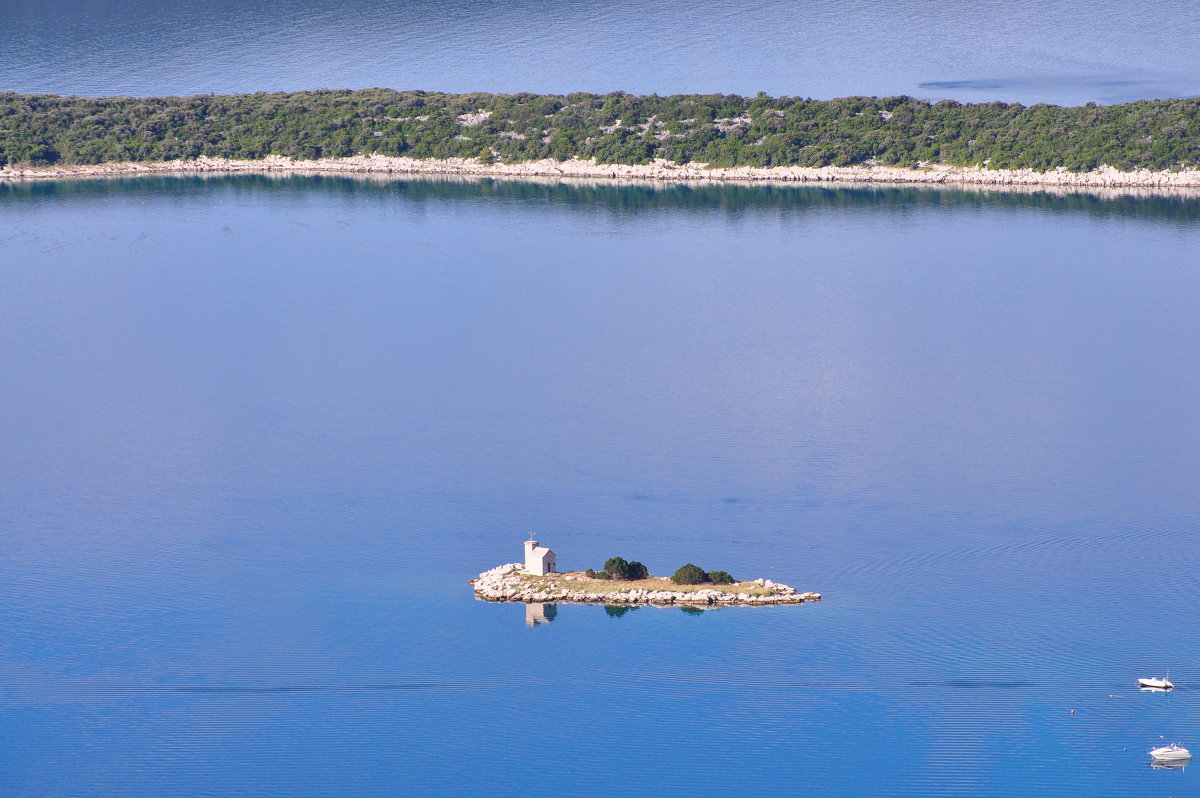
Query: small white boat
(1156, 683)
(1171, 753)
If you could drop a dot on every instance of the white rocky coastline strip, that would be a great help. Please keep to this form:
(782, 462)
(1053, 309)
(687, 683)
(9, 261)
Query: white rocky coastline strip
(511, 582)
(930, 174)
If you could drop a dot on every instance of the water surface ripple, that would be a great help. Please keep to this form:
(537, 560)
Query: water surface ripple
(1066, 53)
(260, 431)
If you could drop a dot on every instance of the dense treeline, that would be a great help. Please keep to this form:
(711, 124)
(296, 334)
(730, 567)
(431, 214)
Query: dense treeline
(721, 130)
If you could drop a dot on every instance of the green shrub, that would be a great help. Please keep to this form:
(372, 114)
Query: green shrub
(720, 578)
(690, 575)
(617, 567)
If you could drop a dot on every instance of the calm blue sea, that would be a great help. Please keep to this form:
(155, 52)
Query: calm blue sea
(258, 433)
(1066, 52)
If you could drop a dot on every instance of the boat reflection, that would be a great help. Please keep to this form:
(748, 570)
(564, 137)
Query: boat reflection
(1170, 764)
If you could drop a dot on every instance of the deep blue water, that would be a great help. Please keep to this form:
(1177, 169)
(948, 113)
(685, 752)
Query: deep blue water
(1067, 52)
(258, 433)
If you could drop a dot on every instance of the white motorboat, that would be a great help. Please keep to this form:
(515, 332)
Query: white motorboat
(1156, 683)
(1171, 753)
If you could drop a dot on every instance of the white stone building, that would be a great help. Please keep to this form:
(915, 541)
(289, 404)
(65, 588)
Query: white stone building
(539, 560)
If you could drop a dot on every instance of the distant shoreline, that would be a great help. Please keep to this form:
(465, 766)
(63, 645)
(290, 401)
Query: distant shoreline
(661, 171)
(616, 136)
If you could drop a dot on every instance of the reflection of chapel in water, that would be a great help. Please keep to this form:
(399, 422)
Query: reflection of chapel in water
(538, 612)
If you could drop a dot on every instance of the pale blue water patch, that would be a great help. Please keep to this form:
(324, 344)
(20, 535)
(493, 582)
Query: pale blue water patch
(258, 433)
(1066, 53)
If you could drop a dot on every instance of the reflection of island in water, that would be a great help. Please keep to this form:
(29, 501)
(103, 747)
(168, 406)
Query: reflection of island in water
(538, 613)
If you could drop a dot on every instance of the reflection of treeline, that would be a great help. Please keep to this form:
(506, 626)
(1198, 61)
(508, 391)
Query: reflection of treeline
(598, 197)
(619, 610)
(722, 130)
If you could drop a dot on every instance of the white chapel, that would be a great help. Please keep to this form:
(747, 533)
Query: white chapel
(539, 560)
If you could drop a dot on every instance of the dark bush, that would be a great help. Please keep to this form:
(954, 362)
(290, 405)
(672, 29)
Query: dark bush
(617, 567)
(637, 570)
(597, 574)
(720, 578)
(690, 575)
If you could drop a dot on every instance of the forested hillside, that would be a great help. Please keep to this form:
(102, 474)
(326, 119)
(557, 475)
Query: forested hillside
(721, 130)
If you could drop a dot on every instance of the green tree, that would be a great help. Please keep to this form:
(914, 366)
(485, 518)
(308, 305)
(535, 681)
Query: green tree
(720, 578)
(690, 575)
(617, 567)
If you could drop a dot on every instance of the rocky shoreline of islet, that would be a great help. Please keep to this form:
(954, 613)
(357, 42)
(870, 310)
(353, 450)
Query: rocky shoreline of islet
(511, 582)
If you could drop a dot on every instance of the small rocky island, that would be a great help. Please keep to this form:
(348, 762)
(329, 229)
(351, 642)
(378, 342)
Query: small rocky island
(621, 582)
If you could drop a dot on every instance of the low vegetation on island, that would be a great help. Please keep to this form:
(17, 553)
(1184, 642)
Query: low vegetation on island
(719, 130)
(695, 575)
(628, 582)
(619, 569)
